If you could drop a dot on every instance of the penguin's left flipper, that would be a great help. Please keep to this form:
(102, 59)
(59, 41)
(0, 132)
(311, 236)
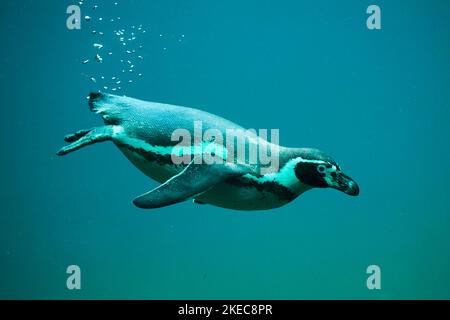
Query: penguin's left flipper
(193, 180)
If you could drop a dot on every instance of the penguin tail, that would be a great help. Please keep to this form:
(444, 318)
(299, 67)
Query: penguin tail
(105, 105)
(95, 98)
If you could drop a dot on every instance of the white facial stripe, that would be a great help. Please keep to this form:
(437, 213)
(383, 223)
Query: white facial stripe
(320, 162)
(286, 176)
(312, 161)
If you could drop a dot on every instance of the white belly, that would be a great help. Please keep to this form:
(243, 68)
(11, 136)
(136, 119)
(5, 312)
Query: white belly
(240, 198)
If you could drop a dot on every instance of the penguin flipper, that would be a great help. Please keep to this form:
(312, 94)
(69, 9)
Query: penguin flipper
(193, 180)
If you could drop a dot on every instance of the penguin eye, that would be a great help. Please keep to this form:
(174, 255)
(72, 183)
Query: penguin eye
(321, 168)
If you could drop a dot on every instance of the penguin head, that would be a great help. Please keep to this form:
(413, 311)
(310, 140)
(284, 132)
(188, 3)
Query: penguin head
(318, 170)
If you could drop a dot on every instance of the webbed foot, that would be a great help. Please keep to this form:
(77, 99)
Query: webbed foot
(84, 138)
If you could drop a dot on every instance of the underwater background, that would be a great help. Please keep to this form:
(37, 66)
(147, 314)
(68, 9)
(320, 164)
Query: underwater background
(378, 101)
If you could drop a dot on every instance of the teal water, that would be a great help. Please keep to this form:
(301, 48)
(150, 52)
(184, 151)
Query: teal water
(377, 101)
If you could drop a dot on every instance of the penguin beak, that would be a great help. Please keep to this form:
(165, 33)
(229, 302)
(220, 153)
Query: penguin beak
(345, 184)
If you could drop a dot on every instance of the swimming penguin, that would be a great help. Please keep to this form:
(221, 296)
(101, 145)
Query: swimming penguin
(143, 131)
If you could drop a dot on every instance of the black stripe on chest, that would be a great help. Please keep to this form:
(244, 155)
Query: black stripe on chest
(283, 193)
(161, 159)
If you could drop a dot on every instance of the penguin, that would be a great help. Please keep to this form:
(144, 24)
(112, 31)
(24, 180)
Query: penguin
(143, 132)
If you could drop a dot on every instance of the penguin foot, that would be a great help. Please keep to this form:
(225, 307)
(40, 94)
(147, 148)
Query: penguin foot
(77, 135)
(84, 138)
